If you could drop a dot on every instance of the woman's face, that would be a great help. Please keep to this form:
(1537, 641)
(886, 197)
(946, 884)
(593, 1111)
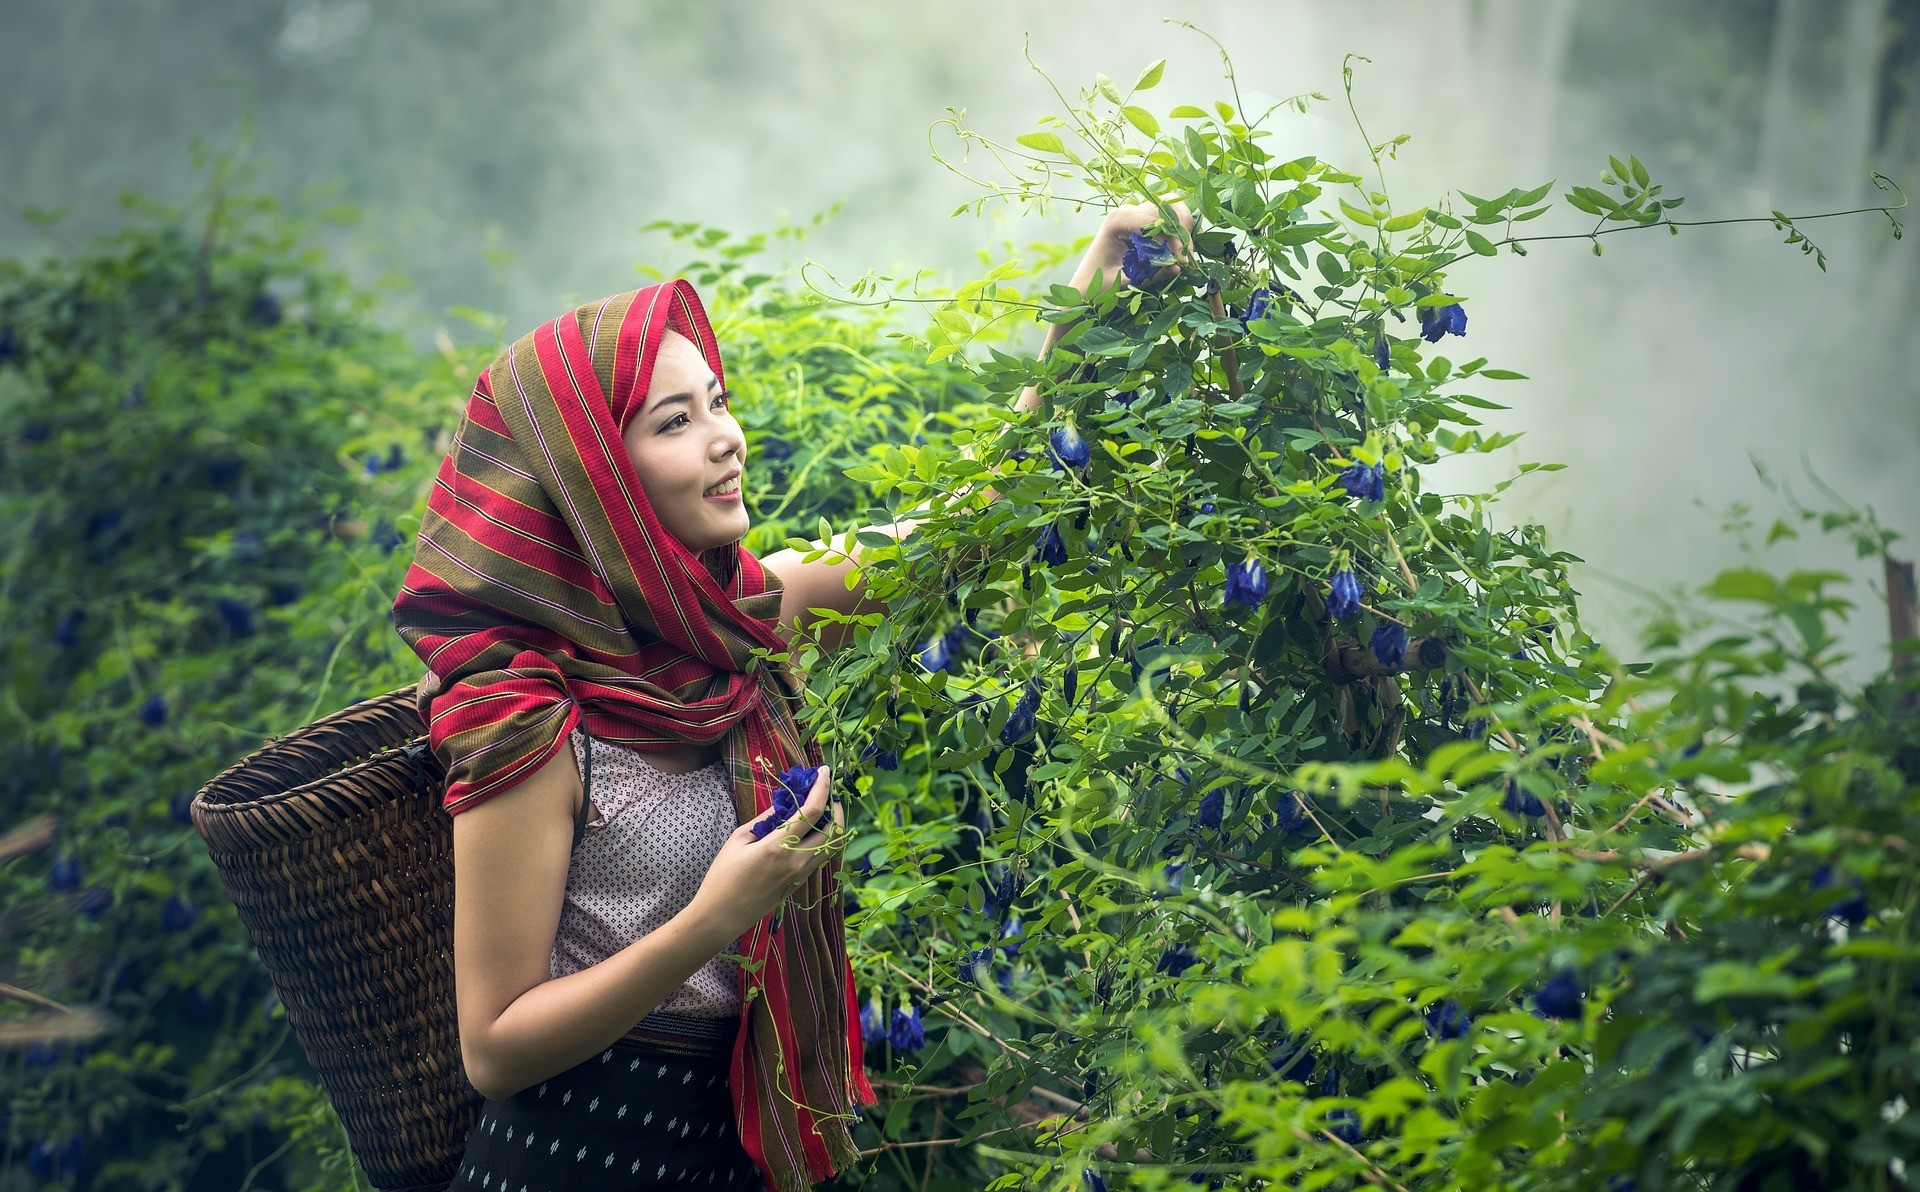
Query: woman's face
(684, 441)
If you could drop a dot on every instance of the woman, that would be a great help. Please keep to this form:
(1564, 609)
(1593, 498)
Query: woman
(666, 999)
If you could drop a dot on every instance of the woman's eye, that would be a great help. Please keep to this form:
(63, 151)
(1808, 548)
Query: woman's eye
(723, 397)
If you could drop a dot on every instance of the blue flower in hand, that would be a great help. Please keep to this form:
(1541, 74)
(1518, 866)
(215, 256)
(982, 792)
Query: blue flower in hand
(1145, 256)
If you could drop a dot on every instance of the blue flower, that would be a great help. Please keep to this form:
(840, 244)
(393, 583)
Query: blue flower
(1344, 1125)
(872, 1028)
(1381, 353)
(1002, 888)
(1445, 320)
(94, 901)
(886, 759)
(1365, 481)
(935, 656)
(787, 796)
(67, 632)
(1852, 910)
(1343, 594)
(153, 713)
(50, 1160)
(1206, 507)
(1292, 1059)
(1246, 584)
(1446, 1020)
(1256, 304)
(36, 431)
(238, 616)
(1127, 397)
(1051, 549)
(385, 536)
(1290, 813)
(906, 1032)
(1070, 683)
(1389, 642)
(1560, 996)
(1095, 1182)
(264, 310)
(1012, 931)
(1145, 256)
(1172, 874)
(65, 874)
(1176, 960)
(222, 473)
(1068, 450)
(178, 915)
(1182, 773)
(1213, 806)
(1018, 725)
(975, 965)
(1520, 801)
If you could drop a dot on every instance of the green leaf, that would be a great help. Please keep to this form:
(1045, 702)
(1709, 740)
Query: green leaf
(1401, 223)
(1150, 76)
(1357, 215)
(1141, 119)
(1106, 87)
(1045, 142)
(1744, 584)
(1480, 244)
(1187, 111)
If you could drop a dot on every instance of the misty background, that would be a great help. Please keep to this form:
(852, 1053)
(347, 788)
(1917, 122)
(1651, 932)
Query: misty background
(505, 156)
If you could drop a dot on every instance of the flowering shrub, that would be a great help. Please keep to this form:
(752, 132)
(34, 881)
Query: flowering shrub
(1386, 873)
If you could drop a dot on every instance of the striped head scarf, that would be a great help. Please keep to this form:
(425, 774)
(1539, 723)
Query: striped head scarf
(544, 594)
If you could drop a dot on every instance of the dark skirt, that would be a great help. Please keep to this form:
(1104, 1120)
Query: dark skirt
(638, 1115)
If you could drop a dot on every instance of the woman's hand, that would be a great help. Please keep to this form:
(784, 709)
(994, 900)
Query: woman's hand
(1103, 258)
(749, 877)
(1116, 236)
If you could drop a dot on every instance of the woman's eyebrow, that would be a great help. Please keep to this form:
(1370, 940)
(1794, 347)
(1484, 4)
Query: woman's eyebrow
(674, 397)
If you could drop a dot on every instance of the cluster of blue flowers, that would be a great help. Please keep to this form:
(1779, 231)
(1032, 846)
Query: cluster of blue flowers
(1051, 549)
(1256, 304)
(788, 794)
(1446, 1020)
(1213, 808)
(905, 1031)
(886, 759)
(1145, 256)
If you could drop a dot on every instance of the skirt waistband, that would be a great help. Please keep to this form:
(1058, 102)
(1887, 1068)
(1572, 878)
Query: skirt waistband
(683, 1034)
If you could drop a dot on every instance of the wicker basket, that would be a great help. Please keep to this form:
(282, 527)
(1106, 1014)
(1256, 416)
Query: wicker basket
(335, 851)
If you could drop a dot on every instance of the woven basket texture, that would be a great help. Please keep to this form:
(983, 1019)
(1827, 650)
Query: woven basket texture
(333, 846)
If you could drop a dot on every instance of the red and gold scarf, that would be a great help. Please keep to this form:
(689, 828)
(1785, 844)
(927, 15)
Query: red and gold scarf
(544, 594)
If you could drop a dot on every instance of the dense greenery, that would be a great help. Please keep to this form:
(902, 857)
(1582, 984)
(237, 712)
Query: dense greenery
(1248, 812)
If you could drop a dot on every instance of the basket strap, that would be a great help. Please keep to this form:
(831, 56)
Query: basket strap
(586, 791)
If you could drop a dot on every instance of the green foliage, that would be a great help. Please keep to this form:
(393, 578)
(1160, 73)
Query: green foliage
(189, 568)
(1185, 887)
